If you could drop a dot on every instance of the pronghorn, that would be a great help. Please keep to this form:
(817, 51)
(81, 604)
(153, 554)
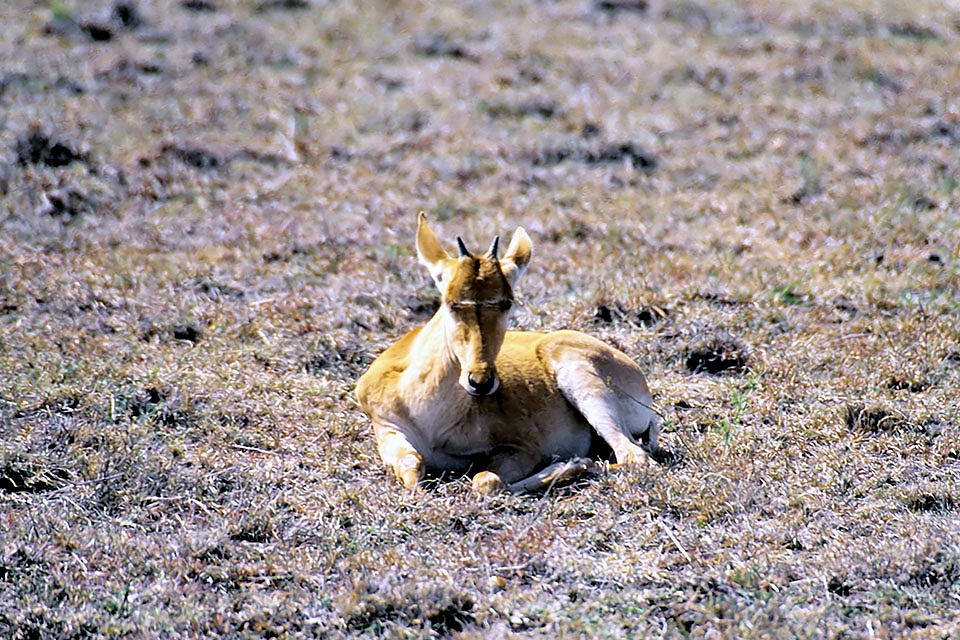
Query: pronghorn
(463, 392)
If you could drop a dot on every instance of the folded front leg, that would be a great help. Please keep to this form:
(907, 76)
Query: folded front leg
(397, 452)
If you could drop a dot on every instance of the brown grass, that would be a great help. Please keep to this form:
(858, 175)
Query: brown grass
(206, 218)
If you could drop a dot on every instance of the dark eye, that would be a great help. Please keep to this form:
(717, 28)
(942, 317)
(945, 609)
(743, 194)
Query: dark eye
(505, 305)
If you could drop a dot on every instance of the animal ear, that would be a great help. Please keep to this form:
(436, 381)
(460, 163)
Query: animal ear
(431, 254)
(514, 262)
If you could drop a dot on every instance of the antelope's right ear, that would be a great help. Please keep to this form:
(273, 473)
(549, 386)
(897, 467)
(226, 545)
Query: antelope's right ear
(517, 257)
(431, 254)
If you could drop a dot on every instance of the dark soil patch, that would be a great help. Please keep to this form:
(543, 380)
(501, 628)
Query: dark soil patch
(187, 332)
(575, 229)
(720, 299)
(159, 405)
(538, 108)
(614, 7)
(650, 316)
(128, 70)
(942, 568)
(195, 157)
(846, 306)
(207, 160)
(20, 475)
(443, 614)
(453, 617)
(718, 354)
(424, 307)
(912, 31)
(97, 32)
(930, 502)
(343, 359)
(667, 457)
(145, 401)
(127, 15)
(37, 147)
(603, 313)
(898, 383)
(799, 196)
(256, 528)
(619, 152)
(67, 204)
(123, 16)
(616, 312)
(217, 290)
(282, 5)
(838, 586)
(859, 417)
(590, 130)
(200, 6)
(920, 202)
(178, 332)
(261, 157)
(67, 405)
(442, 45)
(893, 139)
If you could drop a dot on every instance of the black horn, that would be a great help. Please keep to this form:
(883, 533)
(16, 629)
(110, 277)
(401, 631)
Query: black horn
(493, 247)
(463, 248)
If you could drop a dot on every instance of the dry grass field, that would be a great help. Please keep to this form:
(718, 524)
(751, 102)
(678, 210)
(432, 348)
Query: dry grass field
(207, 211)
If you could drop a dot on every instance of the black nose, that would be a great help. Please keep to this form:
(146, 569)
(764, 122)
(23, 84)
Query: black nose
(481, 387)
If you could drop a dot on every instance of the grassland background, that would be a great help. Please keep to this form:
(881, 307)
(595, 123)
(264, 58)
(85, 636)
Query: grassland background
(206, 233)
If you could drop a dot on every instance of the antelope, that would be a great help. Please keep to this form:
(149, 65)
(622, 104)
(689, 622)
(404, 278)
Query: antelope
(527, 408)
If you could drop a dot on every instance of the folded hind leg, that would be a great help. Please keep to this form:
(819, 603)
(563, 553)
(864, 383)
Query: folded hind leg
(553, 474)
(611, 393)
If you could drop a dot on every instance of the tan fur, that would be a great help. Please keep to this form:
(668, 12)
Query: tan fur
(462, 392)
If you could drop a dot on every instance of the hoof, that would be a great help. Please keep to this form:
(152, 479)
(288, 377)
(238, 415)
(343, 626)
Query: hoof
(487, 482)
(570, 470)
(632, 458)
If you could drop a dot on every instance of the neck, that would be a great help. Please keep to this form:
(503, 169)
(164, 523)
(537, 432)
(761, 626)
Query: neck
(433, 362)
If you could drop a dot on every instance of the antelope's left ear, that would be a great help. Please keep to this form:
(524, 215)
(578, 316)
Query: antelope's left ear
(514, 262)
(429, 251)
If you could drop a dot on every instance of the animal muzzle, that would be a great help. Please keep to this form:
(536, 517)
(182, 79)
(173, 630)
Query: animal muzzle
(481, 384)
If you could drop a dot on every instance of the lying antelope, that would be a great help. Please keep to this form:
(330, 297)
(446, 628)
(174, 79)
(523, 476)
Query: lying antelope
(462, 392)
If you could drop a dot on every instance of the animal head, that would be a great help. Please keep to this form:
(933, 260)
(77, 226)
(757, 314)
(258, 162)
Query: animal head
(477, 295)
